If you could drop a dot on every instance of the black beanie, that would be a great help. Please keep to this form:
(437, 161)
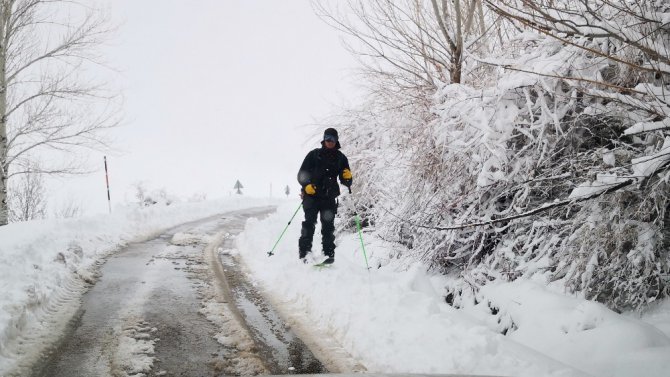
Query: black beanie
(331, 132)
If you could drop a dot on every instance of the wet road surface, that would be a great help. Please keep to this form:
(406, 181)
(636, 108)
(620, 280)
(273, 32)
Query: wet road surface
(178, 305)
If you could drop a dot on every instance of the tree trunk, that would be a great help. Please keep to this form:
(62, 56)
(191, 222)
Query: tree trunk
(456, 65)
(457, 53)
(4, 210)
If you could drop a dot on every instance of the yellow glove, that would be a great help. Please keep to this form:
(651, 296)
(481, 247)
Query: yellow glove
(310, 189)
(346, 174)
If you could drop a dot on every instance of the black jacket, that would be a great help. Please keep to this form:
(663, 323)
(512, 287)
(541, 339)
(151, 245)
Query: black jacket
(322, 167)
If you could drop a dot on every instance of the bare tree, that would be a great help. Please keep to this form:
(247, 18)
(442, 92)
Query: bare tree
(412, 43)
(27, 198)
(70, 208)
(48, 105)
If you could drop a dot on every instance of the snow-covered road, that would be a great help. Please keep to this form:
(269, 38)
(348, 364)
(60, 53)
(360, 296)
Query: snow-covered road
(161, 308)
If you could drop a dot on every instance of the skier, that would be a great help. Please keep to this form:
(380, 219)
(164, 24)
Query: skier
(318, 177)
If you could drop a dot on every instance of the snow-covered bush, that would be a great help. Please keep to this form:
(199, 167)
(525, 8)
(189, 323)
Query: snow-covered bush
(145, 198)
(159, 196)
(551, 163)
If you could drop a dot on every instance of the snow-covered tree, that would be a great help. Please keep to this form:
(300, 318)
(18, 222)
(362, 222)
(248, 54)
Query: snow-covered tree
(610, 77)
(549, 159)
(411, 45)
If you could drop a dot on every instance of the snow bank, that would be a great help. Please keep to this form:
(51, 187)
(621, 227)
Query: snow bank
(44, 265)
(393, 319)
(581, 333)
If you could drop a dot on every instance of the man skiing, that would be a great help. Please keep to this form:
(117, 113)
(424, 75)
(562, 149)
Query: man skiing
(318, 177)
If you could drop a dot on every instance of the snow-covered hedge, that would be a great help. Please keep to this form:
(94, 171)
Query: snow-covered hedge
(559, 153)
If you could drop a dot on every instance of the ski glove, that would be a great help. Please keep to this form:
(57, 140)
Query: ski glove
(346, 177)
(310, 189)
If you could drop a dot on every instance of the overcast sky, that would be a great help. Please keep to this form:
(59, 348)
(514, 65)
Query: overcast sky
(215, 91)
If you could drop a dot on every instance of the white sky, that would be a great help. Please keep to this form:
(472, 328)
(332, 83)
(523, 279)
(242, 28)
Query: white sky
(217, 91)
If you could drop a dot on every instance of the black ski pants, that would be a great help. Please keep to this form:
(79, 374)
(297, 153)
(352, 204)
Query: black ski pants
(327, 208)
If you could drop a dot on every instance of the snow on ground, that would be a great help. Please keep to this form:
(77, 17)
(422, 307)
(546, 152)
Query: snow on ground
(135, 351)
(390, 318)
(395, 319)
(658, 316)
(578, 332)
(45, 266)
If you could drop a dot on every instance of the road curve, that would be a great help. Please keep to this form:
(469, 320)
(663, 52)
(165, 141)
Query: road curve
(179, 306)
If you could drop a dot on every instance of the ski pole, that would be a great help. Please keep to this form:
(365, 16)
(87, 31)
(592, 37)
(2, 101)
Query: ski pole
(360, 236)
(271, 252)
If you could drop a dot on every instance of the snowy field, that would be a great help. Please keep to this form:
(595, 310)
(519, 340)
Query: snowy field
(45, 265)
(390, 318)
(395, 319)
